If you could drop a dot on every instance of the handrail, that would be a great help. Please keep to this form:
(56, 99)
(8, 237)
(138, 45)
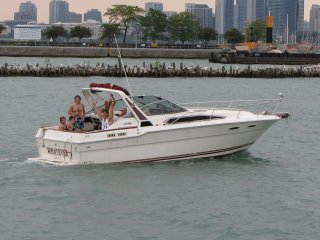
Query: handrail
(233, 101)
(235, 104)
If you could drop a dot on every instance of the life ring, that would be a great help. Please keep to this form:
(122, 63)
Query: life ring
(109, 86)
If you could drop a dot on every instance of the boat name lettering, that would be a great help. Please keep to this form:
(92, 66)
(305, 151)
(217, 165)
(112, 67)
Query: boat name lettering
(111, 135)
(59, 152)
(122, 134)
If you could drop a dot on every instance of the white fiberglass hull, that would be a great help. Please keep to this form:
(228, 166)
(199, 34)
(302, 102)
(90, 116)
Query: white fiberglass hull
(175, 142)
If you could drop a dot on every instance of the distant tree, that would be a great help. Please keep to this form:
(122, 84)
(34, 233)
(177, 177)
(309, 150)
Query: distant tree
(207, 34)
(109, 30)
(153, 24)
(233, 36)
(256, 31)
(123, 15)
(183, 26)
(54, 32)
(2, 28)
(80, 32)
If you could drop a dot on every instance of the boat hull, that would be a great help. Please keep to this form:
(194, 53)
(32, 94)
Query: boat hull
(165, 143)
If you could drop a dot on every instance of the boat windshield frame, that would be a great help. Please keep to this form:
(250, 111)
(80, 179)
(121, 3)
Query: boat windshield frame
(152, 105)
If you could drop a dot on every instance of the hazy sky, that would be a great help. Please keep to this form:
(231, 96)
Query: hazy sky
(8, 7)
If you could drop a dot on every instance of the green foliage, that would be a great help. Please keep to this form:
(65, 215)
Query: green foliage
(157, 64)
(153, 24)
(258, 31)
(183, 26)
(123, 15)
(233, 36)
(54, 32)
(80, 32)
(109, 30)
(207, 34)
(2, 28)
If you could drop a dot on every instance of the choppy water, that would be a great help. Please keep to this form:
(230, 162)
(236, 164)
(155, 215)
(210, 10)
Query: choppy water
(269, 192)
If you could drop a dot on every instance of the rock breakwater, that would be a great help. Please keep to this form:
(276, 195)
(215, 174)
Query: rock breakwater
(158, 70)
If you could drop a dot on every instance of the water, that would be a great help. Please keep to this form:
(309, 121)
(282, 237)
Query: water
(269, 192)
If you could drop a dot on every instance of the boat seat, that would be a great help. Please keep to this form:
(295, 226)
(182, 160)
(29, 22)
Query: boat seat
(91, 123)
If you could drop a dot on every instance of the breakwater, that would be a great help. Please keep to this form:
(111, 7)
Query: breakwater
(158, 70)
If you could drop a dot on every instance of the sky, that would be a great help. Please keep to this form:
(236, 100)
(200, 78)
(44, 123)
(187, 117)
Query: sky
(8, 7)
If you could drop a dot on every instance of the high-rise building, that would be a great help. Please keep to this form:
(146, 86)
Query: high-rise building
(93, 14)
(286, 12)
(202, 12)
(315, 18)
(224, 15)
(300, 23)
(27, 12)
(74, 17)
(246, 13)
(229, 9)
(261, 10)
(58, 11)
(153, 5)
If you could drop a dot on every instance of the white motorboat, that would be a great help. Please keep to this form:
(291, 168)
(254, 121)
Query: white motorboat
(157, 130)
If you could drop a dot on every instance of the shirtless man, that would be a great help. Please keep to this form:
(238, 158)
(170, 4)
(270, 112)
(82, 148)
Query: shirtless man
(63, 124)
(77, 110)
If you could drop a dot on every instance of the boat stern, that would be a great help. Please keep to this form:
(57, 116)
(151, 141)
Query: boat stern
(53, 148)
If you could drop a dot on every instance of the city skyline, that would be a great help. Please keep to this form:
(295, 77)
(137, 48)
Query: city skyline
(43, 7)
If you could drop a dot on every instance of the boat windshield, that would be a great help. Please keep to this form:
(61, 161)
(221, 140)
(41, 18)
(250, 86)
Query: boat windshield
(152, 105)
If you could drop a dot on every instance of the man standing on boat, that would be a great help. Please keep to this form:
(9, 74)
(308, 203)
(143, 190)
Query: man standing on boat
(77, 110)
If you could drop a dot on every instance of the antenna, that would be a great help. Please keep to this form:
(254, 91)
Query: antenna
(122, 65)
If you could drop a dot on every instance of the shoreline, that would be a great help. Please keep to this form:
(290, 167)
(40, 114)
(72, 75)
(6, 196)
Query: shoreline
(101, 52)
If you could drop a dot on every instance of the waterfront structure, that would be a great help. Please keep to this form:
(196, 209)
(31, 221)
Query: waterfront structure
(245, 13)
(153, 5)
(202, 12)
(27, 12)
(315, 19)
(224, 15)
(27, 32)
(95, 28)
(93, 14)
(10, 26)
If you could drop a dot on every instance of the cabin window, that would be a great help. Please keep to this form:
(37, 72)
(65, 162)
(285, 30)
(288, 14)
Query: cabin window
(193, 118)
